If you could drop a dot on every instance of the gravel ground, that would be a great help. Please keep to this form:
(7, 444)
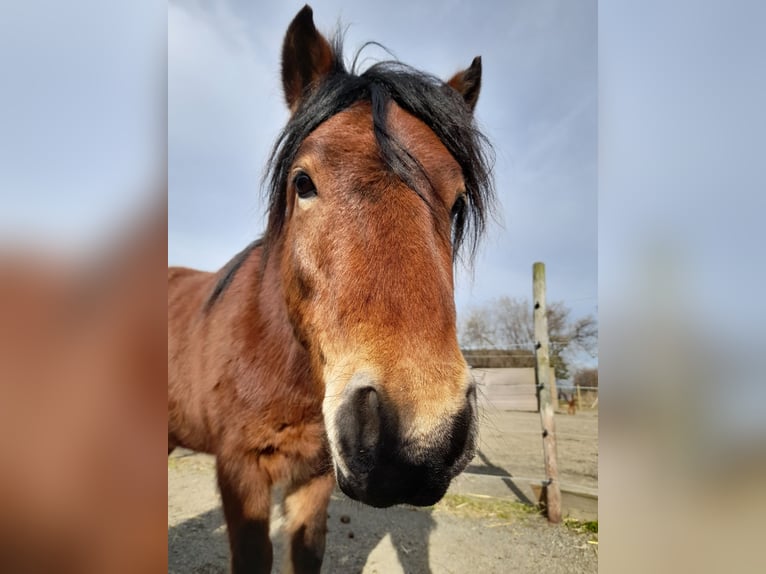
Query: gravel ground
(479, 527)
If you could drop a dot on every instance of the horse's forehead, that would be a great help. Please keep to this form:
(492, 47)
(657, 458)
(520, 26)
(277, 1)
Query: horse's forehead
(349, 135)
(425, 145)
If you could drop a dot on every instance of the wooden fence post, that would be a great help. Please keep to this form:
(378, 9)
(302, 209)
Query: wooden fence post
(579, 399)
(542, 374)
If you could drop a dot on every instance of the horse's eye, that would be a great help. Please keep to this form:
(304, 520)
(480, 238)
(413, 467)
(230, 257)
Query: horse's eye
(304, 187)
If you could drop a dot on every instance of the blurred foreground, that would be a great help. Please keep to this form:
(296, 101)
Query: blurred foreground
(83, 406)
(83, 243)
(681, 300)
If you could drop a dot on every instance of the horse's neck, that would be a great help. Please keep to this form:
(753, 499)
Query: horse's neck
(275, 353)
(271, 306)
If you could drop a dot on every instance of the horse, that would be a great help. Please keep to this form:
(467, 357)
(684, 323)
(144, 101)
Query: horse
(326, 351)
(569, 399)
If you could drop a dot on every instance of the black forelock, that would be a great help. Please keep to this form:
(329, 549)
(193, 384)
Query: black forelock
(424, 96)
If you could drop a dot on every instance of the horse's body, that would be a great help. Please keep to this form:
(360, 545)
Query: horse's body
(328, 350)
(237, 389)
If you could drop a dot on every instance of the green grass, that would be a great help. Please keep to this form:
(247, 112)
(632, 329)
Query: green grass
(480, 507)
(584, 527)
(507, 510)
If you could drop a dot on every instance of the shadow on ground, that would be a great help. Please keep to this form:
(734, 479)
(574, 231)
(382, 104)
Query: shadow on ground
(352, 545)
(356, 537)
(389, 540)
(199, 545)
(490, 469)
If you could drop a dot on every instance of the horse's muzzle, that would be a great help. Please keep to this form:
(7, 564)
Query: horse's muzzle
(380, 468)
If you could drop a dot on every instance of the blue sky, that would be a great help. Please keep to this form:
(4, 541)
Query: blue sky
(538, 105)
(81, 134)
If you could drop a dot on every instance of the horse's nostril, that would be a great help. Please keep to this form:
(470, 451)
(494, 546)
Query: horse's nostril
(372, 398)
(368, 416)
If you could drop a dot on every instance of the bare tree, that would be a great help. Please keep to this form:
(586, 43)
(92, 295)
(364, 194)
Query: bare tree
(514, 323)
(584, 335)
(587, 378)
(478, 330)
(508, 323)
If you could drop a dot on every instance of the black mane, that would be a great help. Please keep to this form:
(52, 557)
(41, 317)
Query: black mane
(228, 272)
(424, 96)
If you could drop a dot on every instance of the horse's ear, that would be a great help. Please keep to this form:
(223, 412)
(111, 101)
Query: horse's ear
(306, 57)
(467, 83)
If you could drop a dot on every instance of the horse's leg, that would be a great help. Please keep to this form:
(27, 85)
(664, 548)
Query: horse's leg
(246, 497)
(306, 524)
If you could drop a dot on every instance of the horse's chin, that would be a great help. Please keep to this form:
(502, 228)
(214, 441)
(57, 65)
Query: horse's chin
(355, 491)
(385, 494)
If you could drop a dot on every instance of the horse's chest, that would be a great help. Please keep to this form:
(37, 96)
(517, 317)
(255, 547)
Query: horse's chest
(286, 448)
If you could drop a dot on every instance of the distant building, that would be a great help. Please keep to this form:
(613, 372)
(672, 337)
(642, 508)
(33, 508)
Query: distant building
(499, 358)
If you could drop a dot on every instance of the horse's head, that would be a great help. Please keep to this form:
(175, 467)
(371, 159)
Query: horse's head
(376, 180)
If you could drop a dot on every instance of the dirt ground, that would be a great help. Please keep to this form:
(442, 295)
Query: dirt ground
(485, 524)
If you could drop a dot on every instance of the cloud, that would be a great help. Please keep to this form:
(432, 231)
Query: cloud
(222, 90)
(224, 111)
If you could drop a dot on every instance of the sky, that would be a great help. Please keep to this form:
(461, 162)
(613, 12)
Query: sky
(538, 106)
(81, 132)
